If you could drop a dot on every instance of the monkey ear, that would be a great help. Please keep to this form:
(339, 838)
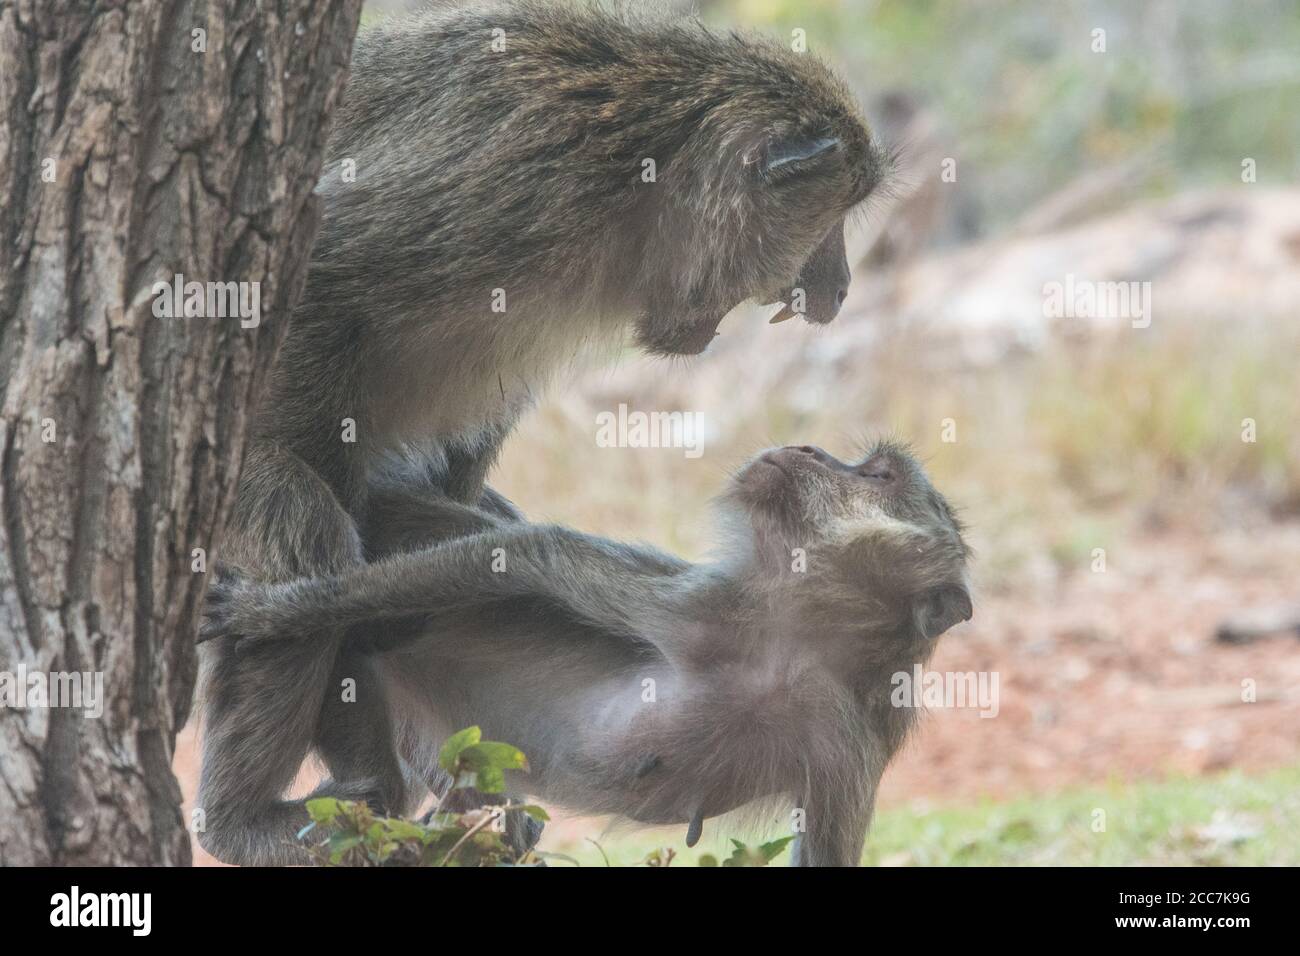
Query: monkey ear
(789, 155)
(936, 610)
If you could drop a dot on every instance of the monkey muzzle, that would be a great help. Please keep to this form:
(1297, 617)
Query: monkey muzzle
(822, 285)
(819, 308)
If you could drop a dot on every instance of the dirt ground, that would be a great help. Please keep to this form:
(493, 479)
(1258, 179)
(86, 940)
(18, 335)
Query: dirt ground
(1104, 676)
(1117, 676)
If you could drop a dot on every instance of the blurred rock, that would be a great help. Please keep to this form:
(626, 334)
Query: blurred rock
(1253, 624)
(1220, 254)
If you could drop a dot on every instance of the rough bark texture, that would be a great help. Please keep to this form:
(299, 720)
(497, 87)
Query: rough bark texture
(165, 160)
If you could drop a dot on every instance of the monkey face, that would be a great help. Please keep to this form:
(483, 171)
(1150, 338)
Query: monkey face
(769, 228)
(816, 293)
(801, 179)
(810, 490)
(876, 525)
(821, 286)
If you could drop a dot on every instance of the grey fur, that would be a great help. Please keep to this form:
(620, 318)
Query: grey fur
(475, 171)
(769, 681)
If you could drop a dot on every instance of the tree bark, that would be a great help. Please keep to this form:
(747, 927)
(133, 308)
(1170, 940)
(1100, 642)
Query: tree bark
(133, 149)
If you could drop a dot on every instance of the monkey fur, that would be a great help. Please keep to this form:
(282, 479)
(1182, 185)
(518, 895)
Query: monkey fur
(770, 668)
(489, 220)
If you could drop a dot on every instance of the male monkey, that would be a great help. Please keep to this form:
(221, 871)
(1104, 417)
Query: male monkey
(509, 186)
(771, 668)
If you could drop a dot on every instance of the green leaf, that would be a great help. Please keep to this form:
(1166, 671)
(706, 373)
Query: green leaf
(493, 753)
(708, 859)
(490, 780)
(405, 830)
(324, 810)
(441, 845)
(456, 743)
(534, 811)
(441, 821)
(770, 851)
(340, 843)
(756, 855)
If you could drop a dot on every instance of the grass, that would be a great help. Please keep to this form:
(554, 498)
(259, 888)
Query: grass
(1228, 820)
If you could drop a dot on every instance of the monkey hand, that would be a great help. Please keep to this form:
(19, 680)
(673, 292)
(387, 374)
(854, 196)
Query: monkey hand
(244, 609)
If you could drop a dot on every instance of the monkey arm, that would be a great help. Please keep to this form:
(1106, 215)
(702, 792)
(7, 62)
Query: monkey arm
(411, 518)
(636, 591)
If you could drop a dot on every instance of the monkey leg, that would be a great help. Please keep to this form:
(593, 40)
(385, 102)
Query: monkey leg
(255, 738)
(356, 740)
(498, 504)
(408, 518)
(417, 507)
(262, 705)
(835, 825)
(468, 466)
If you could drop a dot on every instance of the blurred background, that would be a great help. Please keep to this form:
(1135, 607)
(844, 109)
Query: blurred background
(1133, 493)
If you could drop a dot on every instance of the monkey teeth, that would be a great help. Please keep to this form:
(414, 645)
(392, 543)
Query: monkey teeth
(785, 313)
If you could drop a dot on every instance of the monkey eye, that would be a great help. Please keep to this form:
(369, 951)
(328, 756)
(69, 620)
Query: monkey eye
(879, 470)
(791, 155)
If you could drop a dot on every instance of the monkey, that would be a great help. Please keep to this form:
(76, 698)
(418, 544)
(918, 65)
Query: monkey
(509, 188)
(770, 666)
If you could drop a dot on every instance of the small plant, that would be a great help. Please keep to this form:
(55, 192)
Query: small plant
(661, 856)
(744, 855)
(351, 835)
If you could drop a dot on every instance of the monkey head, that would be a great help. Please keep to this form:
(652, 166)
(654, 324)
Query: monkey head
(875, 531)
(753, 204)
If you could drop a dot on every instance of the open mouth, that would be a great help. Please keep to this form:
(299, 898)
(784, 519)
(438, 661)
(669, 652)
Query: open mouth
(815, 314)
(782, 315)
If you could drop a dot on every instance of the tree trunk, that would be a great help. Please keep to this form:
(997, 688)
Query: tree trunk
(138, 141)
